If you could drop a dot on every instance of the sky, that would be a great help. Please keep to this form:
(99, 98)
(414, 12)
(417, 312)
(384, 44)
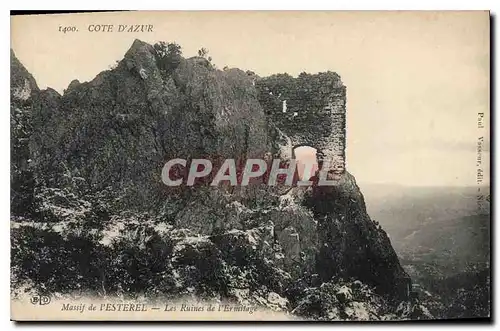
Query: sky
(416, 81)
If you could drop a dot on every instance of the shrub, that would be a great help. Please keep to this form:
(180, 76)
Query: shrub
(168, 56)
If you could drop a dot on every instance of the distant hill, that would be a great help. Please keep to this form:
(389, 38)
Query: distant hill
(443, 241)
(401, 210)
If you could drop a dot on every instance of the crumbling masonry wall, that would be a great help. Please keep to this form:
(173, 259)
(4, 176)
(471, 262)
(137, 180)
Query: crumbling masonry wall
(310, 110)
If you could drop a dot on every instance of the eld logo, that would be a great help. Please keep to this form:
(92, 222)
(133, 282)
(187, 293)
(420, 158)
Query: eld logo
(40, 300)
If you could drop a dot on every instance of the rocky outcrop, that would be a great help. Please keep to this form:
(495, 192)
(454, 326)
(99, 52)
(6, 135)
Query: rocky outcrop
(110, 138)
(22, 84)
(350, 243)
(136, 112)
(23, 97)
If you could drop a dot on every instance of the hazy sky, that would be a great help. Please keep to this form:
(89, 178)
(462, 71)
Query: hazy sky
(415, 80)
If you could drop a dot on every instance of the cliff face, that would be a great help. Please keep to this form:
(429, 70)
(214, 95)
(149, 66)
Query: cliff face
(119, 129)
(97, 152)
(352, 241)
(22, 84)
(24, 94)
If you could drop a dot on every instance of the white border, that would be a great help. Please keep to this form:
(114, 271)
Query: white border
(191, 5)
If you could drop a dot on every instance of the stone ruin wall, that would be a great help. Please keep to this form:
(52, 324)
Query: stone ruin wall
(309, 111)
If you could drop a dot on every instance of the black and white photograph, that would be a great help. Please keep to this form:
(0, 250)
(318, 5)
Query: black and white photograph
(308, 166)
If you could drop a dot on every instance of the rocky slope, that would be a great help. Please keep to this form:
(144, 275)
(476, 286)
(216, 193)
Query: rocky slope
(118, 130)
(90, 162)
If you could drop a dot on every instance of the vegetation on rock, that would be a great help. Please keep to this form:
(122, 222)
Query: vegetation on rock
(90, 214)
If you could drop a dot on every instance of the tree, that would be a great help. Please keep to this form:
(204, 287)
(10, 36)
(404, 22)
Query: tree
(168, 56)
(203, 52)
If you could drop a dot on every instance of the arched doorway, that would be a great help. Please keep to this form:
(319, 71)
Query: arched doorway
(307, 163)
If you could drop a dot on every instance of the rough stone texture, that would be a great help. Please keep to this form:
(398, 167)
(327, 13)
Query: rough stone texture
(135, 112)
(24, 95)
(350, 243)
(22, 83)
(289, 240)
(310, 111)
(114, 134)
